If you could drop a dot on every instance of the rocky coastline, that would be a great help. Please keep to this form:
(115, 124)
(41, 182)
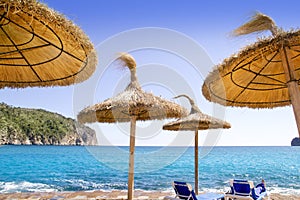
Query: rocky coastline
(24, 126)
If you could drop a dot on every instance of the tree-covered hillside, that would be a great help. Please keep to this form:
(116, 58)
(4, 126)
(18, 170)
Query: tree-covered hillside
(40, 127)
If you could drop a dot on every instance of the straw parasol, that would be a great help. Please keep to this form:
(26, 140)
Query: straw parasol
(129, 106)
(195, 121)
(263, 75)
(40, 47)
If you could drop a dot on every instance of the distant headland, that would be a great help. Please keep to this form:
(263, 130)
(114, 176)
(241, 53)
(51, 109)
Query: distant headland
(24, 126)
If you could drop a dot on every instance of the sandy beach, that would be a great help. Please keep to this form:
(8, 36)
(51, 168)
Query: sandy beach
(112, 195)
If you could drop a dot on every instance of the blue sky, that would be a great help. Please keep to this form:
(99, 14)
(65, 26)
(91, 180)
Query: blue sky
(205, 23)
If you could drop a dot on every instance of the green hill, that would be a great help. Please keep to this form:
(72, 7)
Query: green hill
(40, 127)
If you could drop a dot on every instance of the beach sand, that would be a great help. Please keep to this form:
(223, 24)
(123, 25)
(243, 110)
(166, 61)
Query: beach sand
(112, 195)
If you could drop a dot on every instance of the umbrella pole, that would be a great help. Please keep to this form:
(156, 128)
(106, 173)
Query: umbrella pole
(131, 158)
(196, 161)
(292, 85)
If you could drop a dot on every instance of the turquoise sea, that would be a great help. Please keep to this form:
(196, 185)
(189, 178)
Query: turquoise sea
(75, 168)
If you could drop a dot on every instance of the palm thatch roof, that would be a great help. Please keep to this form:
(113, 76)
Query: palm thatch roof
(41, 47)
(131, 102)
(196, 120)
(255, 77)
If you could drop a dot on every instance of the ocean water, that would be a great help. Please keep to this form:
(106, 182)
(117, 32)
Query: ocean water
(75, 168)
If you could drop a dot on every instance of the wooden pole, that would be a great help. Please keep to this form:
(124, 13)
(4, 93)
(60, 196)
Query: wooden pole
(292, 84)
(131, 158)
(196, 161)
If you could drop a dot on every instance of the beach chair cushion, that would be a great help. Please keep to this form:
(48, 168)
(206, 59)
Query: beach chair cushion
(242, 188)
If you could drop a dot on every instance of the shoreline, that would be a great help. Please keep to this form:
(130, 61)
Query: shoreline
(111, 195)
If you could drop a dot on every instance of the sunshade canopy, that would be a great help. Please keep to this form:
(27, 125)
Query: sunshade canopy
(199, 121)
(263, 75)
(40, 47)
(196, 120)
(133, 101)
(256, 77)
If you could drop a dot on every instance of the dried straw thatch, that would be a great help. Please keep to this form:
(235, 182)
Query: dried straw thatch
(259, 22)
(196, 120)
(199, 121)
(40, 47)
(255, 77)
(131, 102)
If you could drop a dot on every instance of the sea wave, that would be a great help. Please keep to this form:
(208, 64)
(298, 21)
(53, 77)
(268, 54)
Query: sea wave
(287, 191)
(80, 184)
(13, 187)
(24, 186)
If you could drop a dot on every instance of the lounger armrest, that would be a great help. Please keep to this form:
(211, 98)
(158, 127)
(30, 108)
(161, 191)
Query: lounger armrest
(251, 184)
(231, 182)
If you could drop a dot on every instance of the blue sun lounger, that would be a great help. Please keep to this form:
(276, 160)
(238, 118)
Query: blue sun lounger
(244, 190)
(185, 191)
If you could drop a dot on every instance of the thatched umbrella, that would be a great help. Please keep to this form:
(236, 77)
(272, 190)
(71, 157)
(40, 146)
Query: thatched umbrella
(263, 75)
(129, 106)
(40, 47)
(195, 121)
